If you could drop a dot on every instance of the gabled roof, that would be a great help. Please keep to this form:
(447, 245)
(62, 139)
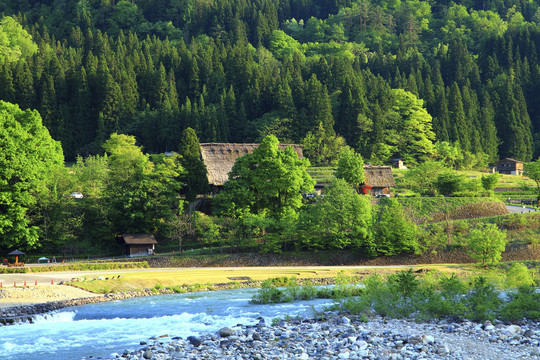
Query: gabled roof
(219, 158)
(511, 160)
(136, 239)
(379, 176)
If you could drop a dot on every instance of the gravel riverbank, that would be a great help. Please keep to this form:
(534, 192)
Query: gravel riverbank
(343, 338)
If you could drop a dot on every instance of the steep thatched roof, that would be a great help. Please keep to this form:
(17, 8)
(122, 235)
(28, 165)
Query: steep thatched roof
(379, 176)
(219, 158)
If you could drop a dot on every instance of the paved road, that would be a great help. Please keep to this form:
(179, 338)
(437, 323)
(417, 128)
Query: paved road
(520, 209)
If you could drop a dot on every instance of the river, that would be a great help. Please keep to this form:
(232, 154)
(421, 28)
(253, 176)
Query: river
(103, 328)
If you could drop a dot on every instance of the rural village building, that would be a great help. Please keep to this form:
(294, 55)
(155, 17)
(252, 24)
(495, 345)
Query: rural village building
(219, 159)
(510, 166)
(137, 244)
(379, 178)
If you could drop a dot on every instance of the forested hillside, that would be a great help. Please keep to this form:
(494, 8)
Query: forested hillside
(391, 77)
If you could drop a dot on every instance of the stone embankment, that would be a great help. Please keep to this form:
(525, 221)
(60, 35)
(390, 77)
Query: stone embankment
(342, 338)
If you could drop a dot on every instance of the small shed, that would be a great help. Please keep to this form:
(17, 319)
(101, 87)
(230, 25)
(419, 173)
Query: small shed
(380, 179)
(510, 166)
(398, 164)
(137, 244)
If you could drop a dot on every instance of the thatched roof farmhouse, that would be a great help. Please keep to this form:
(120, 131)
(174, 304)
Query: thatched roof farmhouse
(219, 158)
(379, 178)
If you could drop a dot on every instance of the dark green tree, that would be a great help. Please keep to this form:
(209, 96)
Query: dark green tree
(194, 176)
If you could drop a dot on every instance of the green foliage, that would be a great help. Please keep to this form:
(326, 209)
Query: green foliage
(15, 42)
(340, 219)
(408, 130)
(28, 157)
(422, 178)
(140, 194)
(393, 232)
(268, 294)
(350, 168)
(269, 181)
(532, 170)
(322, 149)
(194, 175)
(463, 78)
(486, 243)
(519, 275)
(448, 183)
(91, 266)
(490, 181)
(483, 301)
(524, 303)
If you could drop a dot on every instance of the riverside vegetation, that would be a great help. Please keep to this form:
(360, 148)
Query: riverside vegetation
(433, 296)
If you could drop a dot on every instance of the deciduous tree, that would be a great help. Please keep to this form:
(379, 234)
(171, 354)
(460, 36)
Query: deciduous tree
(28, 155)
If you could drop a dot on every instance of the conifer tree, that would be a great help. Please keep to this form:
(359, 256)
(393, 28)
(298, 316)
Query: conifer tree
(459, 128)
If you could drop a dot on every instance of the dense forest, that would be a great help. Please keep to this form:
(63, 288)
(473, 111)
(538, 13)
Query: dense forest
(392, 78)
(110, 86)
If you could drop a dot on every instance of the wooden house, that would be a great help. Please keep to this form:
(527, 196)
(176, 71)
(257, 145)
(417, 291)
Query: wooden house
(510, 166)
(219, 159)
(379, 178)
(137, 244)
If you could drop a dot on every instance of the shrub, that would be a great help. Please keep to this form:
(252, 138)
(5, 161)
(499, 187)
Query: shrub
(448, 302)
(267, 294)
(486, 243)
(483, 302)
(525, 303)
(518, 275)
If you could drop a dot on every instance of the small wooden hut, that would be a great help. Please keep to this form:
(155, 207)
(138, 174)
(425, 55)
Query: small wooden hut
(219, 159)
(380, 179)
(137, 244)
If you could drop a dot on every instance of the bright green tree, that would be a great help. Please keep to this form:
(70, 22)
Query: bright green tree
(490, 181)
(532, 170)
(486, 243)
(393, 232)
(141, 194)
(15, 42)
(422, 177)
(408, 129)
(351, 168)
(449, 182)
(322, 149)
(268, 180)
(340, 219)
(28, 156)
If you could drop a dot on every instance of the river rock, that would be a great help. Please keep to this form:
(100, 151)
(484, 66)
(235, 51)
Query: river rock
(194, 340)
(226, 332)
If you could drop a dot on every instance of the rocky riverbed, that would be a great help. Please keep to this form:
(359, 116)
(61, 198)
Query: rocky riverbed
(343, 338)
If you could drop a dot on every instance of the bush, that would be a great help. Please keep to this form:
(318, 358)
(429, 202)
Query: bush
(448, 302)
(483, 302)
(525, 303)
(518, 275)
(92, 266)
(13, 270)
(267, 294)
(486, 243)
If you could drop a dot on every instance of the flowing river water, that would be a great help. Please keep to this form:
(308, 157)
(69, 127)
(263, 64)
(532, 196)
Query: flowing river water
(103, 328)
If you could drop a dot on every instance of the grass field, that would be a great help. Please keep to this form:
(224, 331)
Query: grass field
(200, 277)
